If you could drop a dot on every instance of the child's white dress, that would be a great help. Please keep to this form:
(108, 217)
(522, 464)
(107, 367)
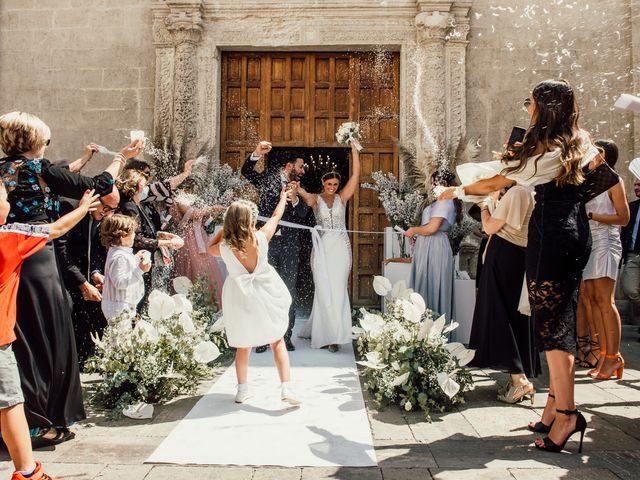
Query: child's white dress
(255, 306)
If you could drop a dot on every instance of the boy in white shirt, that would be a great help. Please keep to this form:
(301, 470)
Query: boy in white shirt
(123, 283)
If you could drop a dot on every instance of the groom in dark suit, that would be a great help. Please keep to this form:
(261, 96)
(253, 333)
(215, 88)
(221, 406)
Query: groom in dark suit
(284, 248)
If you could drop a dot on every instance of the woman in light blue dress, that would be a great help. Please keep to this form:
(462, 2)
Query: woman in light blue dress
(432, 265)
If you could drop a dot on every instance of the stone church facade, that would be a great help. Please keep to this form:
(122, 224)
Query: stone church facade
(447, 70)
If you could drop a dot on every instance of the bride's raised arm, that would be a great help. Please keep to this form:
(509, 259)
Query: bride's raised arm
(310, 199)
(352, 185)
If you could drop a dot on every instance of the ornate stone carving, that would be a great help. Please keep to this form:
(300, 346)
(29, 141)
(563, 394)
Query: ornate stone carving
(177, 32)
(185, 27)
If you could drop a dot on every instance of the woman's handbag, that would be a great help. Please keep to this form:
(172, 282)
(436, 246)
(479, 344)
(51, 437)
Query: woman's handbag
(597, 181)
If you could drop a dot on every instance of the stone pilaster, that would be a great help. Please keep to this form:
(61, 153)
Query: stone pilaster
(430, 95)
(456, 85)
(177, 32)
(442, 27)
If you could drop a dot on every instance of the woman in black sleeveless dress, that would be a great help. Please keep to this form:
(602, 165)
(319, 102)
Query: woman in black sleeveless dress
(551, 158)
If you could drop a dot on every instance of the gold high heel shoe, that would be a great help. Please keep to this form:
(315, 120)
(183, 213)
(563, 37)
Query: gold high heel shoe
(516, 394)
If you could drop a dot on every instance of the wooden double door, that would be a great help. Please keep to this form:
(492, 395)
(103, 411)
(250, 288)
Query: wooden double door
(299, 100)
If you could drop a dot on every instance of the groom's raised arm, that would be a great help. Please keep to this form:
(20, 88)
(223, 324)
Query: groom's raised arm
(249, 166)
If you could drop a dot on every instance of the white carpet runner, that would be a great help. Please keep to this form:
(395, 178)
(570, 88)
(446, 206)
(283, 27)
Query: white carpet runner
(331, 427)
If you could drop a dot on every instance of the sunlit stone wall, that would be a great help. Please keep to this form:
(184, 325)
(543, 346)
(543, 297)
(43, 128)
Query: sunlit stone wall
(89, 68)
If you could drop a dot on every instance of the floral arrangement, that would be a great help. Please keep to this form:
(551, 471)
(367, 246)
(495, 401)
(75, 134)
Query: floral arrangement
(402, 205)
(155, 357)
(407, 357)
(346, 132)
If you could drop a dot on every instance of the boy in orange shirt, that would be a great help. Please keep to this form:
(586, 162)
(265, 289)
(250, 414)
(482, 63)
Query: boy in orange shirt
(17, 242)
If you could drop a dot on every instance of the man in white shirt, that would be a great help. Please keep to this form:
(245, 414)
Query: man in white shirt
(631, 257)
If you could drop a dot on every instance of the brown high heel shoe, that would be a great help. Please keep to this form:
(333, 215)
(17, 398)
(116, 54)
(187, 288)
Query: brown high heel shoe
(617, 372)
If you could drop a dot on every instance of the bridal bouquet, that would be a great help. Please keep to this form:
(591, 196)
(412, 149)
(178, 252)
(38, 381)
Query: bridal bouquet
(152, 358)
(407, 357)
(347, 132)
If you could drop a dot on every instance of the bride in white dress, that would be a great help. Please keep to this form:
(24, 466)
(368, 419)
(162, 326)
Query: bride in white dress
(330, 322)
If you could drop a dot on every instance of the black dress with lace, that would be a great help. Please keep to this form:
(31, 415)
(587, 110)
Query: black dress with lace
(558, 248)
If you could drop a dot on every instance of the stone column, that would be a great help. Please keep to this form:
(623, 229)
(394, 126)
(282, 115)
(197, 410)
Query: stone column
(185, 28)
(430, 95)
(456, 84)
(163, 104)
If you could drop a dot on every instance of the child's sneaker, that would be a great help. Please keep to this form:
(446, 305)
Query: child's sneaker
(288, 396)
(243, 393)
(37, 474)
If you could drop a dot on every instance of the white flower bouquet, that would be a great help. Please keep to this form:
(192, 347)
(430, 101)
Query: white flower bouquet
(348, 131)
(401, 203)
(406, 355)
(155, 357)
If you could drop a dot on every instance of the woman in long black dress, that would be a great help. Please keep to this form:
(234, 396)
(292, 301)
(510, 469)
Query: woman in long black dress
(45, 347)
(502, 337)
(551, 158)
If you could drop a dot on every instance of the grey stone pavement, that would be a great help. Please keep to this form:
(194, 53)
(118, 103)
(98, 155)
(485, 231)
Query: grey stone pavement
(483, 439)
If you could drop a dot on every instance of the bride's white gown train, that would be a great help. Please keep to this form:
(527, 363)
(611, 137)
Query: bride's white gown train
(330, 320)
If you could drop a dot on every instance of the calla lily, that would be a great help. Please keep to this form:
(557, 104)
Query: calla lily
(372, 324)
(218, 326)
(400, 290)
(206, 352)
(438, 325)
(186, 323)
(372, 361)
(182, 285)
(411, 311)
(463, 354)
(418, 301)
(161, 305)
(451, 327)
(146, 332)
(183, 304)
(448, 385)
(400, 379)
(425, 328)
(381, 285)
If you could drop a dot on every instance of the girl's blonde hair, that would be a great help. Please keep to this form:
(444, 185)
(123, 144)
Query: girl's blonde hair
(22, 132)
(238, 230)
(114, 228)
(127, 184)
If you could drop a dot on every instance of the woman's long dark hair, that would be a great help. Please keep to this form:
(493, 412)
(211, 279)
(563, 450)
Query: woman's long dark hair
(556, 126)
(610, 151)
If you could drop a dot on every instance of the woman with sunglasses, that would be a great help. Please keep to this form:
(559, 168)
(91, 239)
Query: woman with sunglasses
(551, 158)
(45, 347)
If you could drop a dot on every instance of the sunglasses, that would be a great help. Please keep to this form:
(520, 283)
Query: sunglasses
(106, 207)
(527, 103)
(47, 143)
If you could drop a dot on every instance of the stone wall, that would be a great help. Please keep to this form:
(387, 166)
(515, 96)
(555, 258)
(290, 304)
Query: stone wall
(513, 45)
(88, 68)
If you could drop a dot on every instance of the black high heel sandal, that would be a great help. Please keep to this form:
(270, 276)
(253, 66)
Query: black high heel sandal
(593, 347)
(540, 427)
(581, 425)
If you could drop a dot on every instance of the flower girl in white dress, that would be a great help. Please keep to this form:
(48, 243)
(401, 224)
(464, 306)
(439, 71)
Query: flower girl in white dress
(329, 324)
(255, 300)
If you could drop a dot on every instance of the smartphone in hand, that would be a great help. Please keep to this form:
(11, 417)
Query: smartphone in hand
(517, 135)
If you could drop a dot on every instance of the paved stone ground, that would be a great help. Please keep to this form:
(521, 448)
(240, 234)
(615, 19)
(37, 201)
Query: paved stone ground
(482, 440)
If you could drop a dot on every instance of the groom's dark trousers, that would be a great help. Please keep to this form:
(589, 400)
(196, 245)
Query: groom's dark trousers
(284, 248)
